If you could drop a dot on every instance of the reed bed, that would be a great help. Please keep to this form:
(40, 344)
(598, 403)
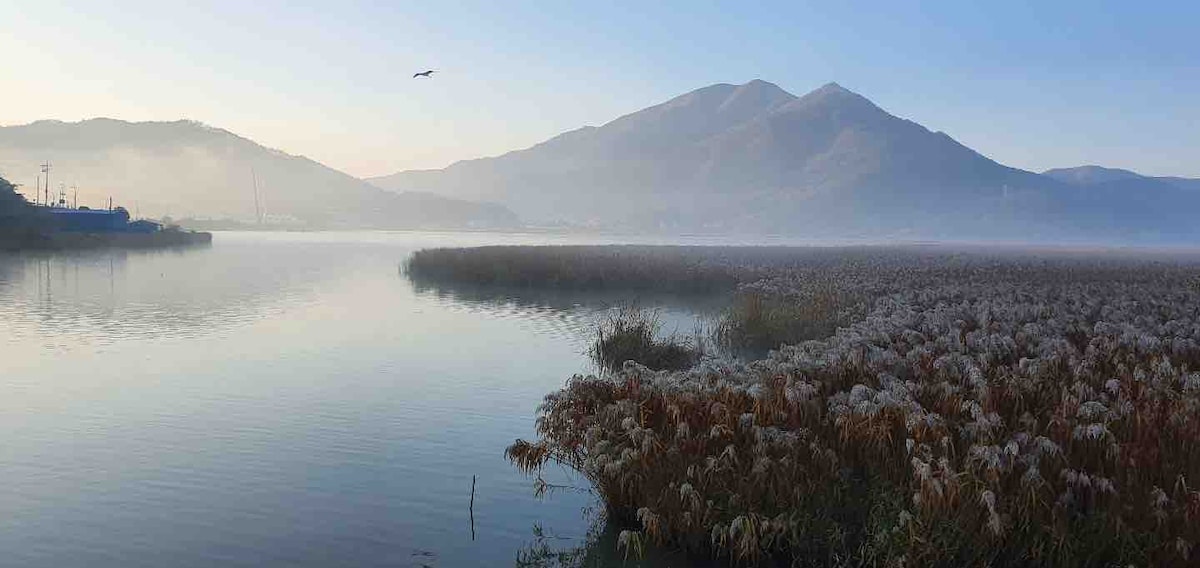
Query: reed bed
(983, 411)
(678, 269)
(757, 321)
(633, 334)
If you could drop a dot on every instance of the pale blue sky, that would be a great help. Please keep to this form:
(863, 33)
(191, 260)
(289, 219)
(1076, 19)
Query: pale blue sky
(1031, 84)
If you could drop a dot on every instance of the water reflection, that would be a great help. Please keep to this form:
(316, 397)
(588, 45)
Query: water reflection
(573, 313)
(103, 296)
(547, 548)
(274, 400)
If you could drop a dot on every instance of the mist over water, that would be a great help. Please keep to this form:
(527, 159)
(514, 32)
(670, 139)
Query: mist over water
(275, 399)
(288, 399)
(845, 289)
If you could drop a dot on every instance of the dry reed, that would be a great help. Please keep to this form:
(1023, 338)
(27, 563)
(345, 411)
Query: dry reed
(981, 413)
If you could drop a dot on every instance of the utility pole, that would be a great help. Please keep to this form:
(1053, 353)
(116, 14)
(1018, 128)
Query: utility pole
(37, 190)
(75, 198)
(46, 170)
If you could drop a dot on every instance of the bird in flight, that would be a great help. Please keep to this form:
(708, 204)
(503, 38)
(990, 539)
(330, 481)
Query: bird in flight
(428, 73)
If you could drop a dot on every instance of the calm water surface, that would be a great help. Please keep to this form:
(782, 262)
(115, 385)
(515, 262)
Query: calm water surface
(276, 399)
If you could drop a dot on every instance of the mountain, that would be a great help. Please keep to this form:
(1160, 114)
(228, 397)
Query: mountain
(1092, 176)
(1156, 206)
(186, 169)
(1186, 183)
(754, 158)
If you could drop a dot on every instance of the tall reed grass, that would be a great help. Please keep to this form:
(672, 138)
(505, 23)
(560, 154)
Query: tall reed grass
(678, 269)
(757, 321)
(979, 413)
(633, 334)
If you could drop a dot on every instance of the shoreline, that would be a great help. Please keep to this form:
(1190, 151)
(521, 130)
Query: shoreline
(82, 241)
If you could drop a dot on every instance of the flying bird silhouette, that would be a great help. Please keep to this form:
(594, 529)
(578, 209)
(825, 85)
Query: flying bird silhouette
(428, 73)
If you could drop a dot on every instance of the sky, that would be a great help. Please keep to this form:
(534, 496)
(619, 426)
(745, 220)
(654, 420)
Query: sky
(1034, 85)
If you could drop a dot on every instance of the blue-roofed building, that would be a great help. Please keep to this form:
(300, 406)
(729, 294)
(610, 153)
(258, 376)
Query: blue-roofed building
(143, 226)
(85, 220)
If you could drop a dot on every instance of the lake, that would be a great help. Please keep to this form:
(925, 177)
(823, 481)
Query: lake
(282, 399)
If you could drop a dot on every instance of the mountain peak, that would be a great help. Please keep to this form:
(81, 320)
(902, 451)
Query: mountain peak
(754, 98)
(693, 116)
(757, 84)
(717, 92)
(833, 91)
(834, 98)
(751, 157)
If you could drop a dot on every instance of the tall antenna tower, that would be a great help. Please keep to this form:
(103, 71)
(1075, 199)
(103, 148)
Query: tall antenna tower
(257, 209)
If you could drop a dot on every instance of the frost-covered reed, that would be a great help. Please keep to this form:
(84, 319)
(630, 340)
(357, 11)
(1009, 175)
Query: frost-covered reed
(759, 320)
(631, 333)
(982, 411)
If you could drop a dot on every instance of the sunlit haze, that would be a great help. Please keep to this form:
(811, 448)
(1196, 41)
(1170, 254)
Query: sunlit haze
(599, 284)
(1030, 84)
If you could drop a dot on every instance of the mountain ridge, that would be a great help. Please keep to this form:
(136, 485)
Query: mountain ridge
(1092, 175)
(188, 168)
(755, 158)
(697, 150)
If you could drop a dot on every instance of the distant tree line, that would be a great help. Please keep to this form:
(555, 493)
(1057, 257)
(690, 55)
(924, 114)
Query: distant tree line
(20, 222)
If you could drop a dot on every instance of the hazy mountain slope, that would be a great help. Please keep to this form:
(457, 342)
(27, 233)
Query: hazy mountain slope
(1097, 175)
(188, 169)
(754, 158)
(1186, 183)
(1090, 175)
(1129, 202)
(582, 175)
(834, 160)
(750, 158)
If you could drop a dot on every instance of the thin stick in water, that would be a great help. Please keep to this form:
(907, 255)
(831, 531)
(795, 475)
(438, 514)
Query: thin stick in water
(471, 507)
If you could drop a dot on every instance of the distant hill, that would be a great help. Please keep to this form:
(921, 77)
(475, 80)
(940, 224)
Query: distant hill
(1091, 176)
(1126, 201)
(754, 158)
(187, 169)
